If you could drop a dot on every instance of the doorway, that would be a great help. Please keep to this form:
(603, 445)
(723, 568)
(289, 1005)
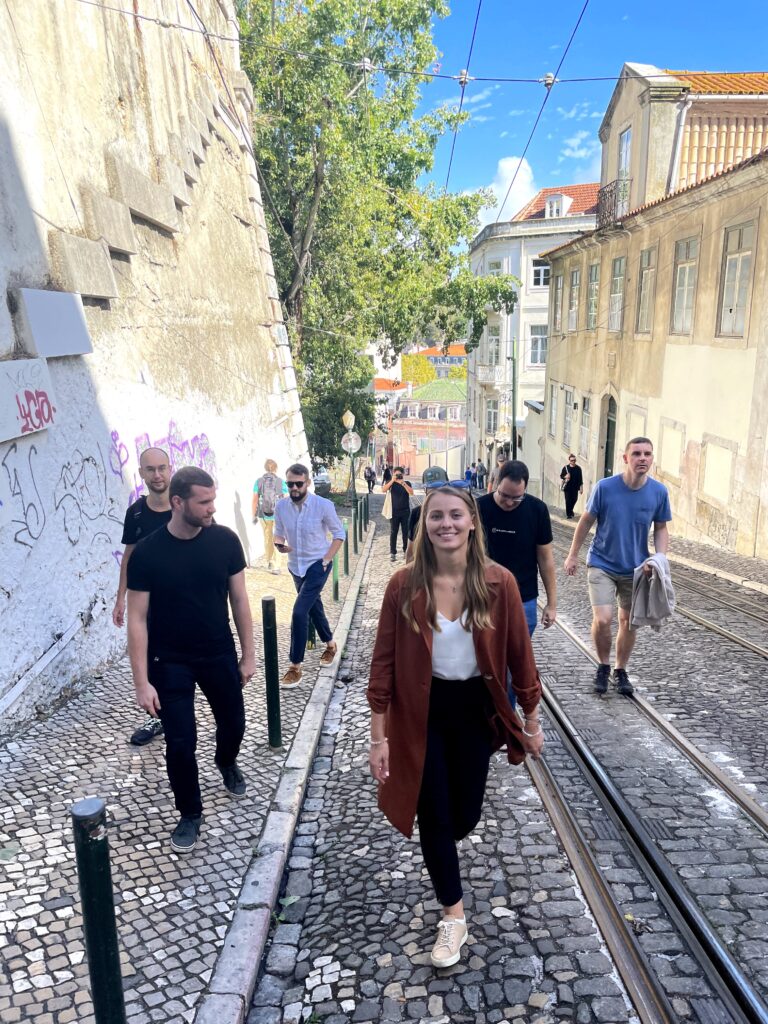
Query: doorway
(609, 448)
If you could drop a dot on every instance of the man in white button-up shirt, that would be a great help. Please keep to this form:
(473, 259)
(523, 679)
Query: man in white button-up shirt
(303, 524)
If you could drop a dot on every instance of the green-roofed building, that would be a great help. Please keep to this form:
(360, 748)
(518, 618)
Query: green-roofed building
(430, 427)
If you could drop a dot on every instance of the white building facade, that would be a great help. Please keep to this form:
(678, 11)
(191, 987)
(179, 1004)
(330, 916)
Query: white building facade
(508, 368)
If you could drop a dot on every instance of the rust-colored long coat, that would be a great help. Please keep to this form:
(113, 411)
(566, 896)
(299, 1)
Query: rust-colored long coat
(401, 678)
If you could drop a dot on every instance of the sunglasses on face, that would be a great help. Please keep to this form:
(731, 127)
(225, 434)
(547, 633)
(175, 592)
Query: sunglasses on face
(298, 484)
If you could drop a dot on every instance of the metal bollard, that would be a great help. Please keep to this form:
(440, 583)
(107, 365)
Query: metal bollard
(335, 571)
(89, 823)
(311, 636)
(271, 672)
(367, 510)
(360, 520)
(346, 546)
(354, 527)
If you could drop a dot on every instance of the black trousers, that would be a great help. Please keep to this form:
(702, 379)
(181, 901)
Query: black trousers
(219, 679)
(398, 522)
(455, 773)
(571, 497)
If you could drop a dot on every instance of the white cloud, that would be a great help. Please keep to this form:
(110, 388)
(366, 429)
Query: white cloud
(481, 106)
(580, 146)
(481, 118)
(503, 135)
(478, 97)
(579, 111)
(523, 189)
(517, 113)
(555, 46)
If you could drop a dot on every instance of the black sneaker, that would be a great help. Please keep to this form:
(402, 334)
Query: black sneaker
(392, 557)
(151, 728)
(623, 685)
(234, 783)
(601, 678)
(184, 836)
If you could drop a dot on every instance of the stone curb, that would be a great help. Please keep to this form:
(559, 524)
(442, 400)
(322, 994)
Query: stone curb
(234, 977)
(710, 570)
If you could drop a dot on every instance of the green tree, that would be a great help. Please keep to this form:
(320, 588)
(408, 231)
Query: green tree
(362, 252)
(417, 369)
(457, 372)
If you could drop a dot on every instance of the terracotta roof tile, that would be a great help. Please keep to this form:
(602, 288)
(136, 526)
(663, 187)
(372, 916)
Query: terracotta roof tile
(437, 350)
(385, 384)
(737, 83)
(584, 200)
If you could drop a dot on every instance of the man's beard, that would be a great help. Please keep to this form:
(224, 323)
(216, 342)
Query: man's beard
(296, 496)
(196, 521)
(159, 487)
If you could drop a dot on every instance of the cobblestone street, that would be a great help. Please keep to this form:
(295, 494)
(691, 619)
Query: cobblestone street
(172, 911)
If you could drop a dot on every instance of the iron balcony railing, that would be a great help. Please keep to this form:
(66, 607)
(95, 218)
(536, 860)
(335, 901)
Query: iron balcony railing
(486, 373)
(613, 202)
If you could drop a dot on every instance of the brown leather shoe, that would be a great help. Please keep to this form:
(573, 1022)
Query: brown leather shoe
(326, 658)
(292, 677)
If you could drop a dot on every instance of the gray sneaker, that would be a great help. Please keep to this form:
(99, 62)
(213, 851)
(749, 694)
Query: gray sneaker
(234, 783)
(623, 685)
(184, 836)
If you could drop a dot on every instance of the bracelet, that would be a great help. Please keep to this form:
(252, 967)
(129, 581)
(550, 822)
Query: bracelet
(377, 743)
(531, 735)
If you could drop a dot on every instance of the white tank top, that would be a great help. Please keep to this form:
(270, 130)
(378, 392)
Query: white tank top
(453, 650)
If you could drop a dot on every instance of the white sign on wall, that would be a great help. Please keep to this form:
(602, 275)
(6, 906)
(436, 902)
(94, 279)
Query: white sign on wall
(26, 398)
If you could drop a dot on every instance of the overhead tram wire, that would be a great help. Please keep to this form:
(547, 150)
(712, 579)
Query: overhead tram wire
(463, 80)
(549, 86)
(391, 69)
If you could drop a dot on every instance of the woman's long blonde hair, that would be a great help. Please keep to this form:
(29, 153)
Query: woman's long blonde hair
(477, 596)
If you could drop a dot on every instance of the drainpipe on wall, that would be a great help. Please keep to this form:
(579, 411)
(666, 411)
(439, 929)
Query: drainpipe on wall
(683, 107)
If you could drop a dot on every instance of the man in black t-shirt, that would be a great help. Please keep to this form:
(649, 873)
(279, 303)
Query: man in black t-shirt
(401, 491)
(518, 533)
(144, 516)
(180, 580)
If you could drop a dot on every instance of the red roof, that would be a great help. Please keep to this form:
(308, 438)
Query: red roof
(438, 350)
(584, 201)
(385, 384)
(724, 83)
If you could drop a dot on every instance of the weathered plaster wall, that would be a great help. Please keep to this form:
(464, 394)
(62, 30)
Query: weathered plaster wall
(125, 178)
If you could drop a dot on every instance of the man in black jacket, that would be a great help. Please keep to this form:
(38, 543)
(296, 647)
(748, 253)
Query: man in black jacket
(573, 485)
(401, 492)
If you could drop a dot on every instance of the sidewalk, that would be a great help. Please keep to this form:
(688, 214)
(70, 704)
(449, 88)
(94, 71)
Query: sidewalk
(173, 912)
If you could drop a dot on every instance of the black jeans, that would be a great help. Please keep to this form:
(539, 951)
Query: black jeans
(571, 497)
(455, 773)
(219, 679)
(398, 522)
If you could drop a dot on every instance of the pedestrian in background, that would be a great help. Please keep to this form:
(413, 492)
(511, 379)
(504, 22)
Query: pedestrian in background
(147, 514)
(303, 524)
(501, 458)
(400, 491)
(181, 580)
(267, 491)
(386, 475)
(370, 477)
(482, 472)
(451, 626)
(624, 507)
(573, 485)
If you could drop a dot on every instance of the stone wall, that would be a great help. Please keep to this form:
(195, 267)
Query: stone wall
(141, 310)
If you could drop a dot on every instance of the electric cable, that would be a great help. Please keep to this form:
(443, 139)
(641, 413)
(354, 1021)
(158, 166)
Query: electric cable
(463, 80)
(549, 85)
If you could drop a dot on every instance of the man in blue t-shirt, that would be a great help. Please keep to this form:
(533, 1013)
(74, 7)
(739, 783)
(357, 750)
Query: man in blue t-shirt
(624, 507)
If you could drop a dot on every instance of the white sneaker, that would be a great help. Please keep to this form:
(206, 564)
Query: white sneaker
(451, 936)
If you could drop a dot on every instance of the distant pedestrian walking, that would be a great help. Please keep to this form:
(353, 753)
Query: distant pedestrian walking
(180, 580)
(303, 524)
(501, 458)
(482, 472)
(267, 491)
(624, 507)
(370, 477)
(401, 491)
(147, 514)
(451, 626)
(386, 475)
(573, 485)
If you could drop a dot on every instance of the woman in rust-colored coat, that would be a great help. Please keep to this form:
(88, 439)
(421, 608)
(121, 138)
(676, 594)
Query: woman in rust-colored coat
(451, 625)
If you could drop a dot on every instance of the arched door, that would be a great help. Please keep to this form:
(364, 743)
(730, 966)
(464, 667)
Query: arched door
(610, 437)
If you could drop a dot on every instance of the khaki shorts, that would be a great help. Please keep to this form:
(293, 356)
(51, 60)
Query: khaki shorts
(607, 587)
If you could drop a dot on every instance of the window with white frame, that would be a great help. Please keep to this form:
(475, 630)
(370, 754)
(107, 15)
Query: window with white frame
(573, 300)
(454, 412)
(593, 295)
(584, 429)
(557, 308)
(616, 303)
(552, 425)
(494, 268)
(645, 290)
(494, 345)
(540, 274)
(433, 412)
(567, 417)
(538, 346)
(684, 285)
(554, 207)
(491, 415)
(734, 280)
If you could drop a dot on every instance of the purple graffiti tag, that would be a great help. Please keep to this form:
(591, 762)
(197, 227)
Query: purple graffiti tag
(118, 455)
(182, 451)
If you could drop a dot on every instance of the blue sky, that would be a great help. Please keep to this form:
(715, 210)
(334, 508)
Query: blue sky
(526, 40)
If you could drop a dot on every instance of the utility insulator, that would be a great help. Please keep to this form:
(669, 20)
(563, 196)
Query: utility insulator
(548, 80)
(463, 78)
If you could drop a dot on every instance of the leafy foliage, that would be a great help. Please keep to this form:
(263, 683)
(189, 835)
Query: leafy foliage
(361, 249)
(417, 369)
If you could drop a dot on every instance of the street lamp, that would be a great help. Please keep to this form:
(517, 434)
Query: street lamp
(351, 443)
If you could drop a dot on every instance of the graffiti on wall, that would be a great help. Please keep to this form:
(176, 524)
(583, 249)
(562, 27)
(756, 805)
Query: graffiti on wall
(27, 511)
(182, 451)
(26, 398)
(81, 494)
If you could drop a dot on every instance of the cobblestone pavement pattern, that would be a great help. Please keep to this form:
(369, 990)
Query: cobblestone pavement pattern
(172, 911)
(357, 919)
